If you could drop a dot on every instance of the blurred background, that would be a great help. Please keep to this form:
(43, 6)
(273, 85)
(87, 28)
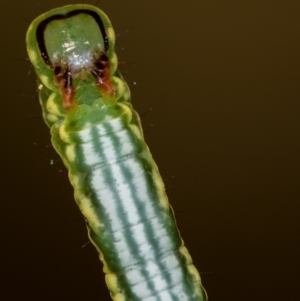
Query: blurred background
(222, 80)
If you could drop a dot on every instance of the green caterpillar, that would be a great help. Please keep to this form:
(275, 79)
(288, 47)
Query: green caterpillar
(118, 188)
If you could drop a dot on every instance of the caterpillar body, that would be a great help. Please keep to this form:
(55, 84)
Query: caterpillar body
(98, 135)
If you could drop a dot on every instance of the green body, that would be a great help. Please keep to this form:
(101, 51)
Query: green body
(117, 184)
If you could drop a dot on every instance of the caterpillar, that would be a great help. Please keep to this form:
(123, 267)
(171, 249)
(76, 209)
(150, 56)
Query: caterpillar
(98, 135)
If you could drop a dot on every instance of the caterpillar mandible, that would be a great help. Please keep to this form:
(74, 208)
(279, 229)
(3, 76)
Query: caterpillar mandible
(98, 135)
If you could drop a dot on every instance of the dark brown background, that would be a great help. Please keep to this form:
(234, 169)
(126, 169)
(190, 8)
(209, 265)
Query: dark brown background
(222, 78)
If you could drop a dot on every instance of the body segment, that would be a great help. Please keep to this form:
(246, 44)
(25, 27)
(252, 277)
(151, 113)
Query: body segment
(98, 135)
